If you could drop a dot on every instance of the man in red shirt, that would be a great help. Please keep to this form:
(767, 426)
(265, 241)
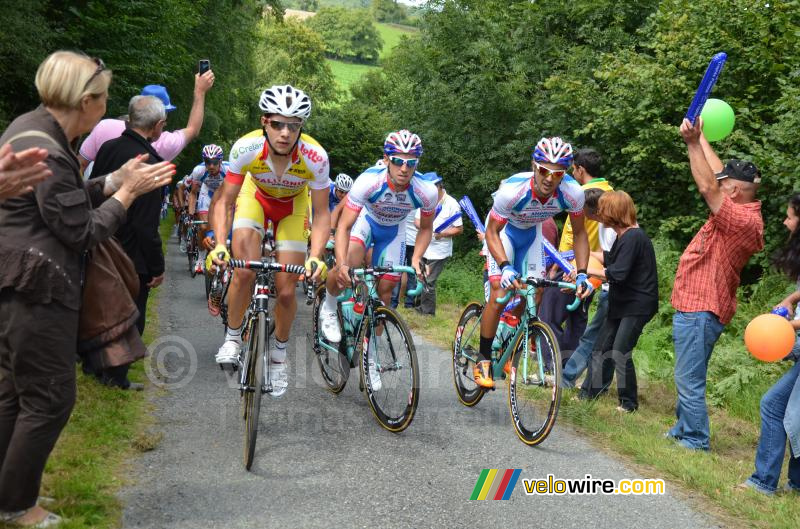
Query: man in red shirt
(704, 293)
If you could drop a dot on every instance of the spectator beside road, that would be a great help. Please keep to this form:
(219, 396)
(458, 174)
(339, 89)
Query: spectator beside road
(407, 281)
(704, 293)
(569, 326)
(630, 268)
(169, 144)
(780, 406)
(579, 360)
(139, 233)
(441, 246)
(44, 234)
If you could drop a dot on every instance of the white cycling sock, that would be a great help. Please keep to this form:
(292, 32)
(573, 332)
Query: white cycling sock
(278, 354)
(234, 335)
(330, 301)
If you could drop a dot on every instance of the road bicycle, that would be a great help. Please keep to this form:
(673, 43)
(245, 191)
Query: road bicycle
(364, 320)
(254, 367)
(525, 351)
(192, 249)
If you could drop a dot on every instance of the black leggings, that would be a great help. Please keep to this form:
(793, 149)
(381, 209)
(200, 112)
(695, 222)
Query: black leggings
(613, 351)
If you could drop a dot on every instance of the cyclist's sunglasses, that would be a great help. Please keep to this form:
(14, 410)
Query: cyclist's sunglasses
(211, 161)
(280, 125)
(544, 171)
(397, 161)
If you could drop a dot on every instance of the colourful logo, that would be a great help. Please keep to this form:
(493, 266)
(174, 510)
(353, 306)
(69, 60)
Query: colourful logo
(495, 484)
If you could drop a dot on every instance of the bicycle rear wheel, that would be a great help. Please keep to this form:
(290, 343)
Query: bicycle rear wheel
(255, 383)
(466, 345)
(534, 389)
(395, 402)
(334, 366)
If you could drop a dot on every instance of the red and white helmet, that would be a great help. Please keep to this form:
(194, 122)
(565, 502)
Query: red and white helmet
(553, 150)
(285, 100)
(212, 152)
(402, 142)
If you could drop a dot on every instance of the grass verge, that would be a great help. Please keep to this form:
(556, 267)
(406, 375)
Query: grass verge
(106, 429)
(639, 437)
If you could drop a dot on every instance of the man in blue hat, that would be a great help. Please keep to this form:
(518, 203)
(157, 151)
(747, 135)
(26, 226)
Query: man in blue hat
(447, 224)
(169, 144)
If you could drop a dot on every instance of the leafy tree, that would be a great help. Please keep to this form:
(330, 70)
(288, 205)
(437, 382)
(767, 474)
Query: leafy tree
(349, 34)
(389, 11)
(290, 52)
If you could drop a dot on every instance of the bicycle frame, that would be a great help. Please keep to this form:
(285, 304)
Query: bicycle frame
(529, 315)
(365, 276)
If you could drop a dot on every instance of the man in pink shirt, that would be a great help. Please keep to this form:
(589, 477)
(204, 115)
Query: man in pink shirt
(170, 144)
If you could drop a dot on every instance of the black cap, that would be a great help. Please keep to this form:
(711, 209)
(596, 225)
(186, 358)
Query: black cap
(741, 170)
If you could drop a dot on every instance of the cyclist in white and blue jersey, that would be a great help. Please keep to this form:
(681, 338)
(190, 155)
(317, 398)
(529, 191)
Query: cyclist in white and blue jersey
(514, 234)
(205, 180)
(374, 216)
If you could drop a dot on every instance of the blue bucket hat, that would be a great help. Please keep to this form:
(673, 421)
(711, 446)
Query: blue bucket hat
(432, 177)
(160, 92)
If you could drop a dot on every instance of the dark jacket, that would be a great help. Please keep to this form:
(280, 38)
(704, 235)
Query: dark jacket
(632, 276)
(139, 234)
(107, 334)
(44, 234)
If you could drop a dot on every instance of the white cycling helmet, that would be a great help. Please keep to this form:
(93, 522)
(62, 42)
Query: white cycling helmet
(402, 142)
(343, 182)
(285, 100)
(553, 150)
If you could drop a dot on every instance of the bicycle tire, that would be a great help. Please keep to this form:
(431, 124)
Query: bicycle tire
(529, 397)
(191, 251)
(469, 393)
(335, 371)
(407, 398)
(255, 383)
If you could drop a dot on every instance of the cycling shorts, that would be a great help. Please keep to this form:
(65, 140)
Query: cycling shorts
(204, 199)
(524, 250)
(388, 243)
(289, 216)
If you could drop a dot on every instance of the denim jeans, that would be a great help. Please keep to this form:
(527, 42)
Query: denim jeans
(694, 334)
(579, 360)
(772, 442)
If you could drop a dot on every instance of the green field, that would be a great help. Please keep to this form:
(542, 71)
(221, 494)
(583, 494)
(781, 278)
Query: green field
(347, 73)
(391, 34)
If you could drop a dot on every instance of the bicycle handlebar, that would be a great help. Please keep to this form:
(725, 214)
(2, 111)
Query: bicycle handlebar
(393, 269)
(265, 265)
(538, 282)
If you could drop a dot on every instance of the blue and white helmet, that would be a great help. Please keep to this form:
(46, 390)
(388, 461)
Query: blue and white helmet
(553, 150)
(402, 142)
(212, 152)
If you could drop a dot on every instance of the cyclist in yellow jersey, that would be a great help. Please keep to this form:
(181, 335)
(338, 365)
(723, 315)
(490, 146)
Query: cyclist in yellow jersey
(271, 171)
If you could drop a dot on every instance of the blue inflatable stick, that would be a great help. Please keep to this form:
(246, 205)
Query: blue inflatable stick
(704, 90)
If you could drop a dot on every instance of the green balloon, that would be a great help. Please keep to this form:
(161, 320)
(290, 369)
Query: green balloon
(718, 119)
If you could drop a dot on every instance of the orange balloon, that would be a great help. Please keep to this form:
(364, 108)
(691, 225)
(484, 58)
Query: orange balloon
(769, 337)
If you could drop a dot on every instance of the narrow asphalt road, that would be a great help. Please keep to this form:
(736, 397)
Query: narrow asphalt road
(323, 461)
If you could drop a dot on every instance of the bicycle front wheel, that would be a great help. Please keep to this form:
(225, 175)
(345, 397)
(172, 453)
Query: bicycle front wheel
(534, 389)
(392, 387)
(254, 384)
(191, 252)
(466, 345)
(333, 365)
